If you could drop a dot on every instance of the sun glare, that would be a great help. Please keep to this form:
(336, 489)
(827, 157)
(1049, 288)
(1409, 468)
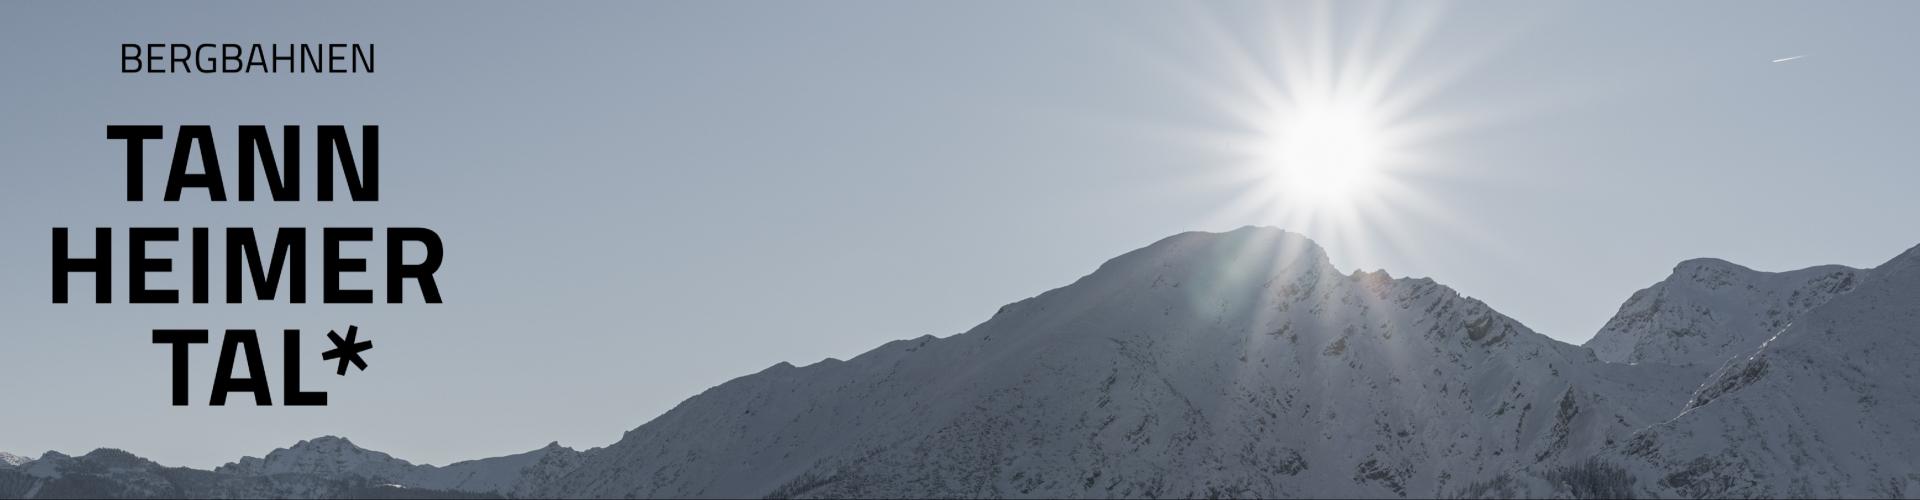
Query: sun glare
(1333, 122)
(1324, 152)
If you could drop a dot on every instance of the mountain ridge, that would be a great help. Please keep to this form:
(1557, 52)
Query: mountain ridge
(1243, 364)
(1708, 310)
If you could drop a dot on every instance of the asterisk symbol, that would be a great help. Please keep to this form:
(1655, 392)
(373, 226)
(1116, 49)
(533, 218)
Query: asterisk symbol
(351, 349)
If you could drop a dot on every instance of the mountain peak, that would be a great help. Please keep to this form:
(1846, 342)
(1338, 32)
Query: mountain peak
(1240, 364)
(1199, 255)
(1707, 263)
(1278, 242)
(326, 442)
(1709, 309)
(1822, 407)
(325, 455)
(115, 457)
(1710, 273)
(1203, 364)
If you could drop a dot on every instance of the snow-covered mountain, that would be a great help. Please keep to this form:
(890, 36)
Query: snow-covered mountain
(1827, 407)
(11, 460)
(336, 457)
(1711, 310)
(1241, 364)
(521, 475)
(1237, 364)
(326, 467)
(109, 473)
(324, 456)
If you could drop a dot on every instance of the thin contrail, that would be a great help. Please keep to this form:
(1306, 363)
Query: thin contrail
(1785, 59)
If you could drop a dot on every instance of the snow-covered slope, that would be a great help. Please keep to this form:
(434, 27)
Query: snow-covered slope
(518, 475)
(109, 473)
(1239, 364)
(10, 460)
(324, 456)
(1828, 407)
(336, 457)
(1710, 310)
(326, 467)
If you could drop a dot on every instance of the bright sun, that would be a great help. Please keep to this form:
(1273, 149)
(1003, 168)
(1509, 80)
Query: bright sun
(1333, 128)
(1324, 152)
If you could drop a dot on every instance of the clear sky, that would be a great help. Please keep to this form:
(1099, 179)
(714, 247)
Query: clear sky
(640, 201)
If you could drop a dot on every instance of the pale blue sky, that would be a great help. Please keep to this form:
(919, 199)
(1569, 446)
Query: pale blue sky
(640, 201)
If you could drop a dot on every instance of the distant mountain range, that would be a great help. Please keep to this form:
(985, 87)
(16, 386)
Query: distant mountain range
(1238, 364)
